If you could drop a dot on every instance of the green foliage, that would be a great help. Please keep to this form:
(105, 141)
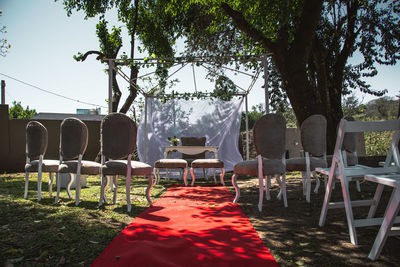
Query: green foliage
(256, 112)
(18, 112)
(4, 44)
(377, 143)
(384, 108)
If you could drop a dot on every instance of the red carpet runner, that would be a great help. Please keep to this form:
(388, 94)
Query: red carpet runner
(189, 226)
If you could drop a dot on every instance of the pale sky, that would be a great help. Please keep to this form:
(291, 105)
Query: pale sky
(44, 41)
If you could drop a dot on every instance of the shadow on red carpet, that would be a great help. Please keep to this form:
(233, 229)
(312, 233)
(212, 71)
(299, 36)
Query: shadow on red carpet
(189, 226)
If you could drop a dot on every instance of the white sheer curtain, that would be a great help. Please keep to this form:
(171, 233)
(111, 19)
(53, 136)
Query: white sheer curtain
(217, 120)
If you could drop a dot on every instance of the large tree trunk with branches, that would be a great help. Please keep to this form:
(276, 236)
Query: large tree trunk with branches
(312, 68)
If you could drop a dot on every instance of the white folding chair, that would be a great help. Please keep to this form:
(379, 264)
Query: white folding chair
(391, 212)
(339, 170)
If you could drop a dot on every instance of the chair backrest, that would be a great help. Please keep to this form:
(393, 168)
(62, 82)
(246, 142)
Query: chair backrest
(349, 146)
(73, 138)
(193, 141)
(350, 140)
(269, 134)
(118, 136)
(346, 127)
(313, 135)
(36, 140)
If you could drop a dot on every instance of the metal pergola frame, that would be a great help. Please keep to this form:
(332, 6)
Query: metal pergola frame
(181, 60)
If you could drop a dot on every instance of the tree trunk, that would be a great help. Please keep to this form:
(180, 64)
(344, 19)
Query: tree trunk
(116, 92)
(132, 91)
(306, 99)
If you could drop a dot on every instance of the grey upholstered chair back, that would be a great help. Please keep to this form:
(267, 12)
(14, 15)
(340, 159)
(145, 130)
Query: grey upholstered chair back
(36, 140)
(269, 134)
(118, 136)
(73, 138)
(193, 141)
(313, 135)
(350, 140)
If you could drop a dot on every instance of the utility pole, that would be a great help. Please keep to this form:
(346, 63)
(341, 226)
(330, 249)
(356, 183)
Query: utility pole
(3, 92)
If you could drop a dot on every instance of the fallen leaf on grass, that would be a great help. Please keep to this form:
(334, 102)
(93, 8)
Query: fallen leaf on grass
(13, 251)
(61, 261)
(300, 263)
(93, 242)
(44, 254)
(15, 260)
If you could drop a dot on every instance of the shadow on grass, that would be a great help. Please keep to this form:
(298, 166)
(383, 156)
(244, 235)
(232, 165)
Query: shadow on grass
(44, 233)
(294, 237)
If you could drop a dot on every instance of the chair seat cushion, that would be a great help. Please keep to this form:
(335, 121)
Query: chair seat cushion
(171, 163)
(118, 167)
(207, 163)
(48, 165)
(299, 164)
(250, 167)
(88, 167)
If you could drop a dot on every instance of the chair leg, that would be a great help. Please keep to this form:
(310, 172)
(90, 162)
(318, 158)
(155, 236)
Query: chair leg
(267, 187)
(51, 184)
(128, 193)
(358, 186)
(278, 179)
(78, 181)
(304, 180)
(71, 180)
(115, 186)
(215, 179)
(284, 190)
(349, 211)
(155, 175)
(388, 220)
(26, 185)
(261, 191)
(327, 197)
(318, 182)
(308, 186)
(192, 173)
(102, 188)
(185, 176)
(234, 183)
(376, 199)
(39, 185)
(222, 175)
(148, 189)
(58, 185)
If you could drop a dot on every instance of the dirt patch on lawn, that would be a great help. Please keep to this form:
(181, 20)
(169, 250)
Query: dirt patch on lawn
(293, 236)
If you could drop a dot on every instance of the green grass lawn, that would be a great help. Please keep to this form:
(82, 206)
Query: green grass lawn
(43, 233)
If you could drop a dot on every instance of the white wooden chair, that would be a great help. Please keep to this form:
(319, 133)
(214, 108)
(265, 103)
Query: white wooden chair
(391, 212)
(345, 174)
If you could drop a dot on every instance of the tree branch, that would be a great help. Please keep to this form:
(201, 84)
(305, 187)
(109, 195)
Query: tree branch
(100, 55)
(247, 28)
(351, 36)
(307, 26)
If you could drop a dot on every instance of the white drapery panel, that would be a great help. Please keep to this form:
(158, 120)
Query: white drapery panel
(217, 120)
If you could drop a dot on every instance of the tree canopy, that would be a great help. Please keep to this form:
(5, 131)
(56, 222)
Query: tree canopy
(4, 44)
(309, 43)
(143, 23)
